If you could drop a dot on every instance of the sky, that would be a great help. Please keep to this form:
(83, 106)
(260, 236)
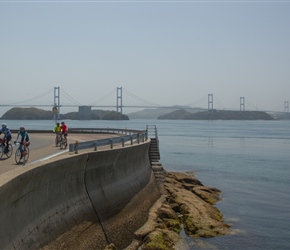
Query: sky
(162, 52)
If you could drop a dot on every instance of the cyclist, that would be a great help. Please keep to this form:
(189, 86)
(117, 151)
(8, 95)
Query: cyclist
(64, 130)
(57, 131)
(24, 138)
(57, 128)
(7, 136)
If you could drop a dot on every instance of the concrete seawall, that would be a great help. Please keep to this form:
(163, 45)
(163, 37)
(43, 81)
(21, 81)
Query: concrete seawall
(83, 201)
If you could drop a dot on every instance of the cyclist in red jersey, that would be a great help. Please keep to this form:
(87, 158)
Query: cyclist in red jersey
(64, 130)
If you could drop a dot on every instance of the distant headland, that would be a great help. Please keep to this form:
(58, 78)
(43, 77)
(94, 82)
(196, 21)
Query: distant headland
(216, 115)
(39, 114)
(175, 113)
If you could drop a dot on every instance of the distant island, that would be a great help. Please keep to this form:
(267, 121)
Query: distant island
(172, 113)
(216, 115)
(39, 114)
(177, 112)
(155, 113)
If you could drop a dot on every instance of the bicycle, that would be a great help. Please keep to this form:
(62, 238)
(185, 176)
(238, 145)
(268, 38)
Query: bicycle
(2, 149)
(58, 139)
(21, 154)
(63, 142)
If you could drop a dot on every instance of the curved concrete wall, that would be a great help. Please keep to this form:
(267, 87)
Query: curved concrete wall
(41, 203)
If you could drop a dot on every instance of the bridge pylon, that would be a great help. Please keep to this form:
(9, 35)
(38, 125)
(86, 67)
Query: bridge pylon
(286, 107)
(119, 100)
(210, 102)
(242, 103)
(56, 102)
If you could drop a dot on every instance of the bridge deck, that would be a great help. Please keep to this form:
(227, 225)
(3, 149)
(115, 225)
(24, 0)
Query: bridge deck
(43, 146)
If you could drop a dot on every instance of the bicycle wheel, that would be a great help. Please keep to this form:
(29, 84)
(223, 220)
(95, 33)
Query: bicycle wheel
(17, 156)
(57, 141)
(10, 151)
(62, 143)
(26, 154)
(1, 151)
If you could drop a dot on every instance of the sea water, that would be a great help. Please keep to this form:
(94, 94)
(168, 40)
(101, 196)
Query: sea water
(249, 161)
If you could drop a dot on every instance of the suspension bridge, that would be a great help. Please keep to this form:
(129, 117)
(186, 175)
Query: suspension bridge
(59, 94)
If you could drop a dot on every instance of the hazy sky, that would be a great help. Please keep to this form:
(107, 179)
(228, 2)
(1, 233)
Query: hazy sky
(165, 52)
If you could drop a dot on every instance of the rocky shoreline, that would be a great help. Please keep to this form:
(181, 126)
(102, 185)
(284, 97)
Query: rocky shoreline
(185, 204)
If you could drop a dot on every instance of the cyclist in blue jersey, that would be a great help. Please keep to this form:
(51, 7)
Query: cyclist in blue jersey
(7, 136)
(24, 137)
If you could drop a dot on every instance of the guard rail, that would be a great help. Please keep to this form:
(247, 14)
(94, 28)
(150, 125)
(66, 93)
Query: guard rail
(126, 135)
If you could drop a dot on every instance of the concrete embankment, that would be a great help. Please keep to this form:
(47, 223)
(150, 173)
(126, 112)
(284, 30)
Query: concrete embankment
(83, 201)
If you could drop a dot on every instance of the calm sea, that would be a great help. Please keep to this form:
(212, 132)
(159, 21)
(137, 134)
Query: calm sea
(249, 161)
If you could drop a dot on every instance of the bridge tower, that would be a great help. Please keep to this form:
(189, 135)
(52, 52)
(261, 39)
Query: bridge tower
(210, 102)
(286, 106)
(56, 102)
(119, 100)
(242, 103)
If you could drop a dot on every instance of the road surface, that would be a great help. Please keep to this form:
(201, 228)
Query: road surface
(42, 146)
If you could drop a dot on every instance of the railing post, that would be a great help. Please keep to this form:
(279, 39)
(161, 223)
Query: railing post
(122, 141)
(138, 138)
(76, 147)
(96, 145)
(111, 142)
(131, 138)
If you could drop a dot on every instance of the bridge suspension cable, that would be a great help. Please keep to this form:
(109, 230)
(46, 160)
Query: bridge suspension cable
(198, 101)
(68, 97)
(103, 98)
(31, 99)
(141, 99)
(219, 103)
(249, 103)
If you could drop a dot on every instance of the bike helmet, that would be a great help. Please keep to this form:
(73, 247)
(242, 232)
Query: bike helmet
(62, 123)
(4, 125)
(57, 124)
(22, 127)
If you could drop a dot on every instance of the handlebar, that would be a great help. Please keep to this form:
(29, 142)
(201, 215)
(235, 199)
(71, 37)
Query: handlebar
(22, 143)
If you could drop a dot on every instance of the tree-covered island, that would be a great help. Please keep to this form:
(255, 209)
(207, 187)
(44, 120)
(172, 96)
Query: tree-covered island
(32, 113)
(216, 115)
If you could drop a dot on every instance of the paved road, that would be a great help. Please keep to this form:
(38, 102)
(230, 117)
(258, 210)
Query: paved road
(42, 147)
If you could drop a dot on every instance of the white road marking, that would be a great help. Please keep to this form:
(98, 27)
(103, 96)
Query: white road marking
(50, 156)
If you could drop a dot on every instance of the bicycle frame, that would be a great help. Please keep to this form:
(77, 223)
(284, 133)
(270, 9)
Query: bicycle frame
(20, 154)
(63, 142)
(2, 148)
(58, 139)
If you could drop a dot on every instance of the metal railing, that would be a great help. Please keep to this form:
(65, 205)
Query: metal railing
(152, 132)
(126, 135)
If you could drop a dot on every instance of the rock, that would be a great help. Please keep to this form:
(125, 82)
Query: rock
(110, 247)
(208, 194)
(186, 202)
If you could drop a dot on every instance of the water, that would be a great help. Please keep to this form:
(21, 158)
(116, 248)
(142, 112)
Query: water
(249, 161)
